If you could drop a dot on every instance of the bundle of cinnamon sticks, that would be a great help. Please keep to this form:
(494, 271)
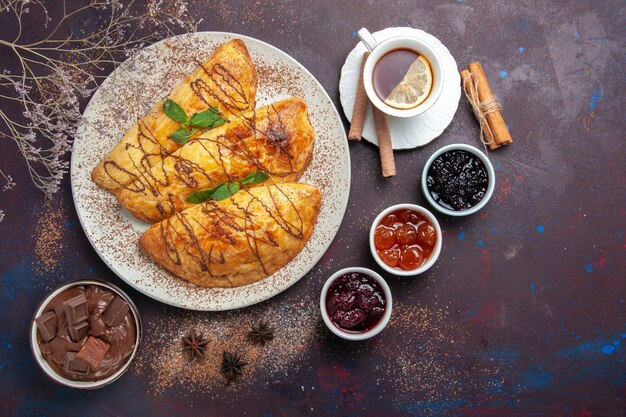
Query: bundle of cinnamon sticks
(485, 106)
(385, 147)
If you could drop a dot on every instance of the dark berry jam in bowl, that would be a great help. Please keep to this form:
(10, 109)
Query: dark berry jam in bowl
(405, 239)
(458, 180)
(355, 303)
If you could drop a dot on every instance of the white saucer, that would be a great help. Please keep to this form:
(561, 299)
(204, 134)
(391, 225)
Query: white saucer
(415, 131)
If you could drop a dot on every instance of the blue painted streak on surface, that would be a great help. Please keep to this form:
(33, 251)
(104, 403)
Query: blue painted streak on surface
(607, 349)
(597, 95)
(537, 378)
(604, 345)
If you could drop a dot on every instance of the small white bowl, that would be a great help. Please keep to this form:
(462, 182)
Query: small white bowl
(491, 174)
(433, 256)
(47, 369)
(373, 331)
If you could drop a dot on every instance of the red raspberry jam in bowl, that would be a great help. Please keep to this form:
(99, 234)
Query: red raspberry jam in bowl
(405, 239)
(356, 303)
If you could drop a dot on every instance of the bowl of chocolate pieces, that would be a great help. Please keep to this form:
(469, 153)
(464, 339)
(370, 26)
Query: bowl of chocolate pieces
(85, 334)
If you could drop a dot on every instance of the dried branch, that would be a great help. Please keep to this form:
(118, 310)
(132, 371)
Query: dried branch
(59, 70)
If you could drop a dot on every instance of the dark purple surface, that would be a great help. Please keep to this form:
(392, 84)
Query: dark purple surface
(534, 285)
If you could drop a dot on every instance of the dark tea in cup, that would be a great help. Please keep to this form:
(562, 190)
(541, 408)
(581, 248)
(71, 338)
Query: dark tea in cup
(403, 78)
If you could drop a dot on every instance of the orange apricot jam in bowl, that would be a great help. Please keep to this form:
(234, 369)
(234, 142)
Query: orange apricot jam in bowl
(405, 239)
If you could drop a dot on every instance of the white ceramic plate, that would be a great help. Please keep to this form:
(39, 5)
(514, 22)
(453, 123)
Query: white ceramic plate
(415, 131)
(128, 93)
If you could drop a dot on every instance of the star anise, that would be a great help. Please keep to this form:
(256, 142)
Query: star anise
(261, 334)
(232, 366)
(195, 345)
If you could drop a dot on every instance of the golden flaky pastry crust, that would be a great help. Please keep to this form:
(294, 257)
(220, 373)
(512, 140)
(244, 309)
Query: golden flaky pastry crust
(239, 240)
(227, 79)
(277, 139)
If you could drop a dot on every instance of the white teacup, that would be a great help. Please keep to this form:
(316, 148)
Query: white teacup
(379, 50)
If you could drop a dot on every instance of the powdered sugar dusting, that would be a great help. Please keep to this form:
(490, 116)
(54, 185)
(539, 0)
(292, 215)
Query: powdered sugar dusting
(297, 327)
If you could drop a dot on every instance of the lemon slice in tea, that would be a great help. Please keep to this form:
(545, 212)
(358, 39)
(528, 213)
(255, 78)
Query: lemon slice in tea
(414, 87)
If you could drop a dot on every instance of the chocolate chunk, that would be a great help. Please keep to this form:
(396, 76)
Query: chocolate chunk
(76, 309)
(115, 312)
(47, 325)
(93, 351)
(73, 364)
(60, 313)
(78, 330)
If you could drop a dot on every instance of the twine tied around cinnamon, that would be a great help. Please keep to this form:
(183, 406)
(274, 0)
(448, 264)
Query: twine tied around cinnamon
(480, 108)
(493, 130)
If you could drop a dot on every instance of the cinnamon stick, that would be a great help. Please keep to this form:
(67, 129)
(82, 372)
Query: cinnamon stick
(469, 88)
(360, 105)
(501, 135)
(385, 147)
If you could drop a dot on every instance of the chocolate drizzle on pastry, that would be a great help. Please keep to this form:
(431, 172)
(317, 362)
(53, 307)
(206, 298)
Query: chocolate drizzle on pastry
(226, 89)
(238, 240)
(227, 80)
(224, 225)
(264, 143)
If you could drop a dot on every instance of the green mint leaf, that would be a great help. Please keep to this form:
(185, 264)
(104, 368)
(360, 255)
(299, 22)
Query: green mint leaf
(255, 178)
(200, 196)
(218, 122)
(174, 111)
(182, 135)
(225, 190)
(207, 119)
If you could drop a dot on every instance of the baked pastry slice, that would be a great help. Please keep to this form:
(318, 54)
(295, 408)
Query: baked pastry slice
(226, 80)
(278, 140)
(239, 240)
